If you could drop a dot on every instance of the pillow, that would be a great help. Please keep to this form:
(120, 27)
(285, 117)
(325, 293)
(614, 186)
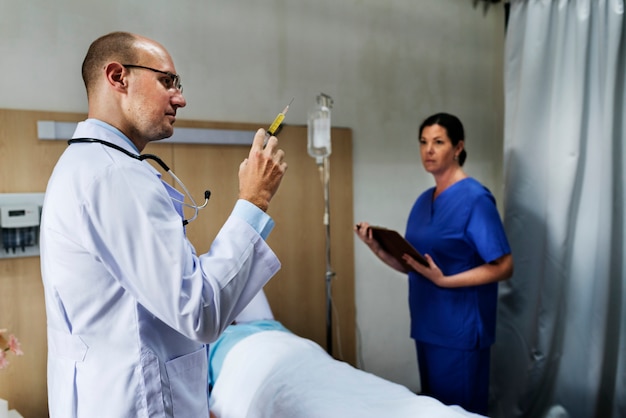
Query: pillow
(257, 309)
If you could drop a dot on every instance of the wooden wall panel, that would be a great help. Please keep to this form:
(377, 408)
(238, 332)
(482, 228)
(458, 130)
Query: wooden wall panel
(296, 293)
(25, 166)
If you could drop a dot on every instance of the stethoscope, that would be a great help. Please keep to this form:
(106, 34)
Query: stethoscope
(141, 157)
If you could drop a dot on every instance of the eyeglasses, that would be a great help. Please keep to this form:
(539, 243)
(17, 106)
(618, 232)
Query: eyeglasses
(172, 80)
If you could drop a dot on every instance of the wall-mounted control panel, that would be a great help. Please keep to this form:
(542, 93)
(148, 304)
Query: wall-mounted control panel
(20, 214)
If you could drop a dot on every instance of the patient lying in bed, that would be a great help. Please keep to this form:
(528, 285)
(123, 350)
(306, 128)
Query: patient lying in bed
(258, 368)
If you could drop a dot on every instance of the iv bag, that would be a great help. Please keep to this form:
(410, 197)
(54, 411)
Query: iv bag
(318, 141)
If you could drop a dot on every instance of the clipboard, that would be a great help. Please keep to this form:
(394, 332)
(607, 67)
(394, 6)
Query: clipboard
(395, 244)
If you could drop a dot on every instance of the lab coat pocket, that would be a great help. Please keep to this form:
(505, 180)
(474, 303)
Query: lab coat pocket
(188, 383)
(64, 351)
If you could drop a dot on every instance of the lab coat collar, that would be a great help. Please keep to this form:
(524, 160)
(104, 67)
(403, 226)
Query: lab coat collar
(95, 128)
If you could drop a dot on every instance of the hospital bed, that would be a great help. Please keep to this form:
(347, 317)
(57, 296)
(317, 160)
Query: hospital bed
(260, 369)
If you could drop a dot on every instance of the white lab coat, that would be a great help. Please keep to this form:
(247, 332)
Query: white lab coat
(129, 304)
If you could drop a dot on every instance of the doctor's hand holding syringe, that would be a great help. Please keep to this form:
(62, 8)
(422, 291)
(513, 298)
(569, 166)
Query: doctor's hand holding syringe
(261, 173)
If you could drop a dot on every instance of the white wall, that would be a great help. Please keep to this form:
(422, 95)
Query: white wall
(387, 64)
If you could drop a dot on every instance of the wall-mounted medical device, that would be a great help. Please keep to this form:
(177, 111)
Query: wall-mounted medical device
(20, 214)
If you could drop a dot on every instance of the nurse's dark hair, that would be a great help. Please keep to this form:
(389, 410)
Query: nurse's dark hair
(453, 127)
(115, 46)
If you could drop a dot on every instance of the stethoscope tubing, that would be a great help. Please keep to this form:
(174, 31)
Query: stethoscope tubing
(161, 163)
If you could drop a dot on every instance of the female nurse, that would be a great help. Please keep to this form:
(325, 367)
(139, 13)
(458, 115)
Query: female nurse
(452, 302)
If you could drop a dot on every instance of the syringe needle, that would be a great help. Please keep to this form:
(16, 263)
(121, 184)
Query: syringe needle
(284, 112)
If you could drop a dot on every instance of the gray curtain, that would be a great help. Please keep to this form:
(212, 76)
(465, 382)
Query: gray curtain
(561, 339)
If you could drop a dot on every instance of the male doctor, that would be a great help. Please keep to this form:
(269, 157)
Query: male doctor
(129, 304)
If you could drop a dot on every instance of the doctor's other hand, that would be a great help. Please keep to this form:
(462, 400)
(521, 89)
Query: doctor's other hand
(261, 173)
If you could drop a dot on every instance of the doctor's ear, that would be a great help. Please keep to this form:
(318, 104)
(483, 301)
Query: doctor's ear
(116, 75)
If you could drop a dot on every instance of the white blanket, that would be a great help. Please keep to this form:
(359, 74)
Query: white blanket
(276, 374)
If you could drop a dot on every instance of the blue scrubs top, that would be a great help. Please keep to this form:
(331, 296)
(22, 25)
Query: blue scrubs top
(460, 229)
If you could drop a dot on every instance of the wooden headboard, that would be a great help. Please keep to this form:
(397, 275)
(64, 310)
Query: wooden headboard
(297, 293)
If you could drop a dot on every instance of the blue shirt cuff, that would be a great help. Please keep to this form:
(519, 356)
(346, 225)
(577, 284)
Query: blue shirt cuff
(259, 220)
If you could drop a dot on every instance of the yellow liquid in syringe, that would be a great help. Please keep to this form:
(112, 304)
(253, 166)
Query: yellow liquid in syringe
(279, 119)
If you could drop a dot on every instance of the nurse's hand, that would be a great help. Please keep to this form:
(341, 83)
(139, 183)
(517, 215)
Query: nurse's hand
(261, 173)
(363, 231)
(432, 272)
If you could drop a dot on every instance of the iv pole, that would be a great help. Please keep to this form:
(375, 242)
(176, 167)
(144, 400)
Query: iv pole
(319, 147)
(329, 271)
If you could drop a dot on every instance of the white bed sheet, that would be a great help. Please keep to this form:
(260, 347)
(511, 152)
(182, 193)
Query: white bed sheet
(276, 374)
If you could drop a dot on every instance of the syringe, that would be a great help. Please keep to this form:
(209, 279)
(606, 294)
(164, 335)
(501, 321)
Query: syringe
(279, 119)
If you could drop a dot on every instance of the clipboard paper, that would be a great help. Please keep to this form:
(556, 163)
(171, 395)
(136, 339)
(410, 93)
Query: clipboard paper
(395, 244)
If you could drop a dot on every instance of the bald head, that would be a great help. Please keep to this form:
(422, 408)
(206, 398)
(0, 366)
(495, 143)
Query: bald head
(116, 46)
(132, 85)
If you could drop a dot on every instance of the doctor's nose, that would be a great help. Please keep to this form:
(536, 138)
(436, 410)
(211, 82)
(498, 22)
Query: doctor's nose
(178, 100)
